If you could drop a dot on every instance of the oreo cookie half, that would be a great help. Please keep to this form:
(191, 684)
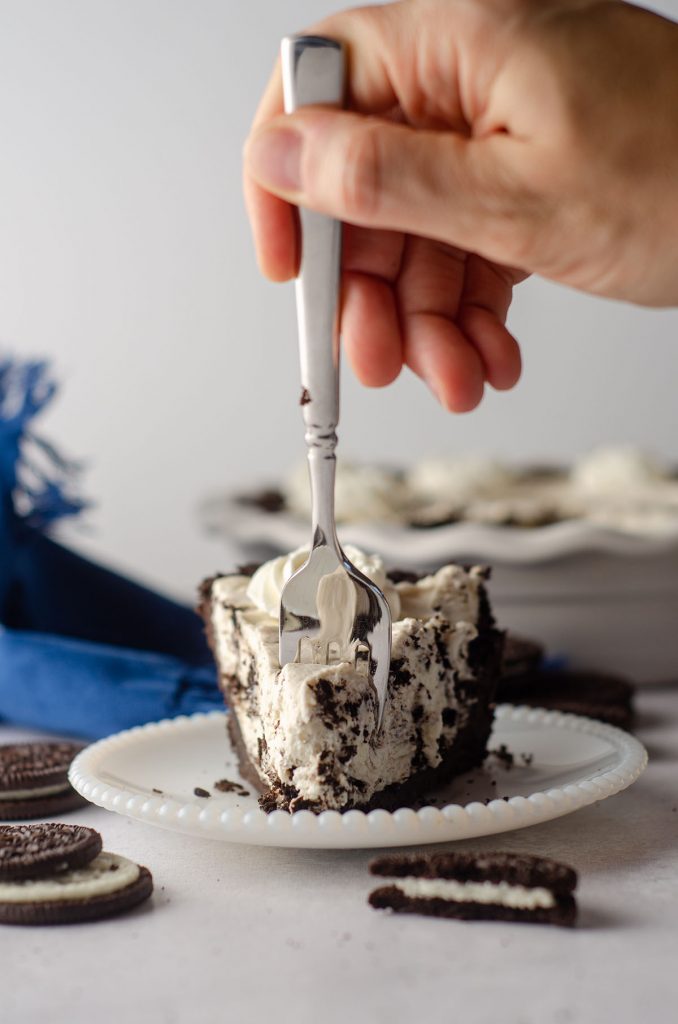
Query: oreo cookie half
(593, 694)
(520, 655)
(108, 885)
(41, 850)
(34, 780)
(477, 886)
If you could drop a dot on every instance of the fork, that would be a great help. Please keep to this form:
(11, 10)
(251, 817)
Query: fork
(329, 611)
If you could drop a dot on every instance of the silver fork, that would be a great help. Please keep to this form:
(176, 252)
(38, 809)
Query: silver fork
(329, 611)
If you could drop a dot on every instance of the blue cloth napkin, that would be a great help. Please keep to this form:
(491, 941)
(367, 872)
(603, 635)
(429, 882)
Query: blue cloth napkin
(83, 650)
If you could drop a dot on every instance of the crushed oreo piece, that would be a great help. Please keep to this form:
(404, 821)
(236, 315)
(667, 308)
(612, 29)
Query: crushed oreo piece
(227, 786)
(267, 500)
(503, 754)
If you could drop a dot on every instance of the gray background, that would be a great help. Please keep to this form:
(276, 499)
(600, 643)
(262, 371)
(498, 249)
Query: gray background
(125, 257)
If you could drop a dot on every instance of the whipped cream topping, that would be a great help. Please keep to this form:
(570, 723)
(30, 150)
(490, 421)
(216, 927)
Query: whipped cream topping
(106, 873)
(459, 480)
(361, 493)
(616, 472)
(503, 894)
(266, 586)
(619, 487)
(622, 488)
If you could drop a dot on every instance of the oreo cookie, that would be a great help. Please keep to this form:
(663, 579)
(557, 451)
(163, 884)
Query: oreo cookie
(34, 780)
(41, 850)
(107, 885)
(477, 886)
(593, 694)
(520, 655)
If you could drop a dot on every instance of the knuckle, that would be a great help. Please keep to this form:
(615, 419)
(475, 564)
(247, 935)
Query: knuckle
(515, 213)
(356, 22)
(361, 172)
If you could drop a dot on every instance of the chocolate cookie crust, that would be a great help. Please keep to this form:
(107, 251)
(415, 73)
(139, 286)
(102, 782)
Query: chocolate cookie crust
(37, 851)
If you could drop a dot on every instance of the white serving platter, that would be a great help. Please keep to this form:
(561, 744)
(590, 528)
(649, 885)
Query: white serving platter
(561, 763)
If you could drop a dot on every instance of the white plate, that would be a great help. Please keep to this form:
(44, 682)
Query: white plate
(407, 547)
(571, 762)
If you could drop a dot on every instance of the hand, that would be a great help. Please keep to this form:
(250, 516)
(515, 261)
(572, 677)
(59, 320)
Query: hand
(486, 139)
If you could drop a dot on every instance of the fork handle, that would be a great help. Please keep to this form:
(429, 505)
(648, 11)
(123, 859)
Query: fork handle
(314, 71)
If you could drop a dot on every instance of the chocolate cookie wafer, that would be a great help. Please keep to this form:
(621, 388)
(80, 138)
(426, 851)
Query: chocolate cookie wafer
(520, 655)
(593, 694)
(40, 850)
(477, 886)
(108, 885)
(34, 780)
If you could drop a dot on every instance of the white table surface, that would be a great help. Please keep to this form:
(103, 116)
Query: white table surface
(245, 934)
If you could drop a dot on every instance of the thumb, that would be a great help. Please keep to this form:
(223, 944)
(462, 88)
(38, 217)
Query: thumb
(377, 174)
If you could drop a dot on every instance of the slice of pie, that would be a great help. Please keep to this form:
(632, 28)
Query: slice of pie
(306, 735)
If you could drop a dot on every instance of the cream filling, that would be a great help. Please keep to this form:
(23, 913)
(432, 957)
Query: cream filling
(105, 874)
(502, 894)
(29, 794)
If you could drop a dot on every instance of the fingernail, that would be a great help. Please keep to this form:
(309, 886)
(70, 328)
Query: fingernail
(434, 385)
(440, 394)
(274, 158)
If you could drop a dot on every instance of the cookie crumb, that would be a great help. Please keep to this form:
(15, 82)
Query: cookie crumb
(504, 755)
(227, 786)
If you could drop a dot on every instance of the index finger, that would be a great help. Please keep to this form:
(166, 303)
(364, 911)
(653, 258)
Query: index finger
(273, 221)
(366, 33)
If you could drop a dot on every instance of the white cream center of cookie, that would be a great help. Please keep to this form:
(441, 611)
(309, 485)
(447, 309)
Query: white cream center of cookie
(518, 897)
(105, 874)
(36, 791)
